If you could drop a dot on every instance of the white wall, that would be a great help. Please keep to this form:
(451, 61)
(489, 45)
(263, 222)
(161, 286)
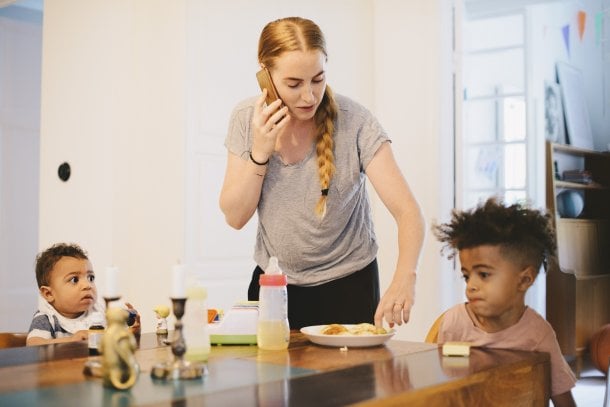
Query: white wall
(113, 106)
(410, 100)
(115, 102)
(587, 55)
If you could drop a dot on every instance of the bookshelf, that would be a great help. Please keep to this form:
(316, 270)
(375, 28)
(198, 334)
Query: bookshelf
(578, 287)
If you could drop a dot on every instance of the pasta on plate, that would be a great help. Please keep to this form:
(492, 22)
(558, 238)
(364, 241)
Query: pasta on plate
(359, 329)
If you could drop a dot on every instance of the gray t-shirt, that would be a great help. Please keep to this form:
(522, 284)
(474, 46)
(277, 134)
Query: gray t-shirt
(310, 250)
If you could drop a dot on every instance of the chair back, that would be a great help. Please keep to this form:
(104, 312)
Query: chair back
(432, 336)
(12, 339)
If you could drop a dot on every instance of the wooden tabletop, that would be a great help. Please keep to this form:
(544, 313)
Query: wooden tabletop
(396, 373)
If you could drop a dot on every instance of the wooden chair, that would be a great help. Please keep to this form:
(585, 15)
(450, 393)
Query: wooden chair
(432, 336)
(607, 394)
(12, 339)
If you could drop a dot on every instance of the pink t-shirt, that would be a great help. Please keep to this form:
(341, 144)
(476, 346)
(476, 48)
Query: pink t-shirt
(531, 333)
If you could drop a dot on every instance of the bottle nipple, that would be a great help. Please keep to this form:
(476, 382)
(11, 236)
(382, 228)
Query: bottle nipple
(273, 267)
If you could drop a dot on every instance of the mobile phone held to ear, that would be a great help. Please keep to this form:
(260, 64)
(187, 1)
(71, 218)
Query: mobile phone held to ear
(264, 81)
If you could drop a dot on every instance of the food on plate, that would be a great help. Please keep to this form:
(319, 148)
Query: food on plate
(359, 329)
(335, 329)
(367, 329)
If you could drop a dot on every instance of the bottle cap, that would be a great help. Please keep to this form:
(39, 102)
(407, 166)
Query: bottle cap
(97, 319)
(273, 280)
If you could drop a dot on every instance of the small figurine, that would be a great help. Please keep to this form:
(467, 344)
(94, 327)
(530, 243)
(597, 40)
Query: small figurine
(119, 365)
(162, 312)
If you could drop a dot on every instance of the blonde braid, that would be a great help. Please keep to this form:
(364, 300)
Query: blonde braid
(325, 116)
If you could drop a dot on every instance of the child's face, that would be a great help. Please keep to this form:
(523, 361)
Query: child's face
(71, 288)
(495, 285)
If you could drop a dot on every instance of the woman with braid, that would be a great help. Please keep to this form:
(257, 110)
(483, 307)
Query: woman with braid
(301, 162)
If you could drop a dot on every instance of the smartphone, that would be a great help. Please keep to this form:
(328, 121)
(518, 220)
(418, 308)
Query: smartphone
(264, 81)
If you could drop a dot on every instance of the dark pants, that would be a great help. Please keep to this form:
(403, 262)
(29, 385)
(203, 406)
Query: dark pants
(349, 300)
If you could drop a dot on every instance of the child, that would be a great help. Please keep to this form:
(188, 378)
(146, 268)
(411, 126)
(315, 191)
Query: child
(68, 302)
(501, 250)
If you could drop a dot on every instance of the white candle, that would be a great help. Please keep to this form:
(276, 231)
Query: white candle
(179, 281)
(112, 283)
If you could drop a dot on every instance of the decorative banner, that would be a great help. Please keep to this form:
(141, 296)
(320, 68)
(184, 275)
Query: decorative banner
(565, 30)
(582, 18)
(599, 18)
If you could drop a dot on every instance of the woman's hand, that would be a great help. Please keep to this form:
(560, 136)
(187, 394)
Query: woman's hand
(395, 305)
(267, 124)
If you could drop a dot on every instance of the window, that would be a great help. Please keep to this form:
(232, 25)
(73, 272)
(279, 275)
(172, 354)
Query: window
(494, 135)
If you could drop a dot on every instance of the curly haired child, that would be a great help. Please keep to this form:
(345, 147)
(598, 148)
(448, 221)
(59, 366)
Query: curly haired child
(501, 248)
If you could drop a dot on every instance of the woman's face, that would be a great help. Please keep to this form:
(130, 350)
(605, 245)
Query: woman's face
(300, 80)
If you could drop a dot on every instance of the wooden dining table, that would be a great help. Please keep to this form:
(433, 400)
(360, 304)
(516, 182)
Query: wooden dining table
(395, 373)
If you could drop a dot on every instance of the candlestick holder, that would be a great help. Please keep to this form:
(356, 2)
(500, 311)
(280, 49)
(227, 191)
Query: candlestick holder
(178, 368)
(108, 300)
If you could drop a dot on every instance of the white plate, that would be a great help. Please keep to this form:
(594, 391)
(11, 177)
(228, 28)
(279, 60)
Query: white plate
(314, 334)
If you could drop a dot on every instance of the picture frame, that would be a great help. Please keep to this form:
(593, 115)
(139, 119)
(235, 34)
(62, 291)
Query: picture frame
(554, 124)
(577, 119)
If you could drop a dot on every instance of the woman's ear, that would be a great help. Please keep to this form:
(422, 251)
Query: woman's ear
(526, 278)
(47, 293)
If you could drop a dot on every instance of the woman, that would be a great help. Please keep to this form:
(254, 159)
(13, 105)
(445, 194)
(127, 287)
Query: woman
(302, 162)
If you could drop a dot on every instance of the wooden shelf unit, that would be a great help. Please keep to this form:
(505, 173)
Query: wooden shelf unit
(578, 287)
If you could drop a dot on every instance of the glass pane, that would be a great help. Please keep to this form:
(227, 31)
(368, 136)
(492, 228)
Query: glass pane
(493, 32)
(482, 167)
(495, 166)
(516, 196)
(494, 73)
(483, 118)
(513, 118)
(514, 166)
(474, 198)
(480, 120)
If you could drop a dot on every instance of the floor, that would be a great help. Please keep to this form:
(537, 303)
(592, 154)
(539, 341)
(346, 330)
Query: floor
(590, 388)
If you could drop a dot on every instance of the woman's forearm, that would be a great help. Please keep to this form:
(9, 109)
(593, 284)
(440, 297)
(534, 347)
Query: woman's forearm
(241, 190)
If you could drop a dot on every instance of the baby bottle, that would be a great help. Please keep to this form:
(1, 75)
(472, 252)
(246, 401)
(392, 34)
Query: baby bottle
(273, 331)
(195, 322)
(96, 331)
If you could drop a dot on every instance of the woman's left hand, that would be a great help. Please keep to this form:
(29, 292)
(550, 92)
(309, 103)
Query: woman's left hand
(395, 305)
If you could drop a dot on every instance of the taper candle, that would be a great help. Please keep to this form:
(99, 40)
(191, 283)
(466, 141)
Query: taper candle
(112, 282)
(179, 281)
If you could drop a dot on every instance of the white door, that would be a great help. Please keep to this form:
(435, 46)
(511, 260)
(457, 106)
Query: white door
(220, 257)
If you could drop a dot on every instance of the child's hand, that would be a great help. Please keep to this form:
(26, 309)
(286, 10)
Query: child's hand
(135, 327)
(79, 336)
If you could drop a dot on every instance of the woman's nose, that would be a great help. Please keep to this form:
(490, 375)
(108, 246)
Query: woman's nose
(307, 94)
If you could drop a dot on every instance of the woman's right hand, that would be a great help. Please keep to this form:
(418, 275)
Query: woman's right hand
(267, 123)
